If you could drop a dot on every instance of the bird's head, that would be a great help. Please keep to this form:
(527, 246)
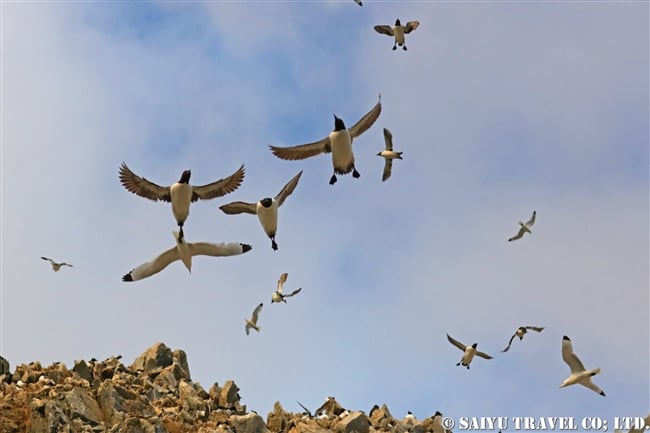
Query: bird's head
(338, 124)
(565, 338)
(185, 177)
(379, 154)
(266, 202)
(474, 345)
(397, 23)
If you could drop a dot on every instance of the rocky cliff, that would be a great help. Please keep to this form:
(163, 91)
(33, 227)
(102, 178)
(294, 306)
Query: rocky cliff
(156, 395)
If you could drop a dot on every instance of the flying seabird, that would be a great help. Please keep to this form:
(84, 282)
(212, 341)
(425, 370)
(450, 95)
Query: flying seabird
(56, 266)
(521, 331)
(252, 322)
(388, 154)
(181, 193)
(265, 209)
(184, 252)
(398, 31)
(578, 372)
(524, 228)
(338, 142)
(278, 296)
(469, 352)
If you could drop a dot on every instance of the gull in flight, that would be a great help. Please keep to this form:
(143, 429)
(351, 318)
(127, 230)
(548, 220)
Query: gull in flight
(398, 31)
(388, 154)
(56, 266)
(338, 142)
(524, 228)
(184, 252)
(265, 209)
(521, 331)
(278, 296)
(578, 372)
(252, 322)
(468, 352)
(181, 193)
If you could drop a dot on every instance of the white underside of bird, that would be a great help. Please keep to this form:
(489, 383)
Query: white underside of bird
(278, 296)
(56, 266)
(252, 322)
(388, 154)
(469, 352)
(524, 228)
(184, 252)
(578, 372)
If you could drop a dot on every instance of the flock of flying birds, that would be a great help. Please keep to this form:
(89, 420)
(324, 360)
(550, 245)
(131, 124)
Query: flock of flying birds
(339, 143)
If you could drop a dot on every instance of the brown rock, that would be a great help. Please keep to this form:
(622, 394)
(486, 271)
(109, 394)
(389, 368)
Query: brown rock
(229, 395)
(4, 366)
(277, 420)
(156, 356)
(251, 423)
(355, 422)
(81, 404)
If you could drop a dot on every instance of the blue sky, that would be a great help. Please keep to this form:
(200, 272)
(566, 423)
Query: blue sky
(500, 108)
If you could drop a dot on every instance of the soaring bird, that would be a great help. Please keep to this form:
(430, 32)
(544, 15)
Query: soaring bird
(521, 331)
(265, 209)
(278, 296)
(252, 322)
(525, 228)
(468, 352)
(181, 193)
(578, 372)
(338, 142)
(184, 252)
(398, 31)
(388, 154)
(56, 266)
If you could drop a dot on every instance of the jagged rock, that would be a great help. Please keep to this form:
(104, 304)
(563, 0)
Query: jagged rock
(330, 407)
(251, 423)
(229, 395)
(214, 392)
(355, 422)
(180, 359)
(138, 425)
(156, 356)
(189, 399)
(46, 416)
(82, 405)
(308, 426)
(111, 404)
(277, 420)
(380, 417)
(4, 366)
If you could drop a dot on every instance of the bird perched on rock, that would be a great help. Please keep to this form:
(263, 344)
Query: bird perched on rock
(265, 209)
(181, 193)
(252, 322)
(521, 331)
(578, 372)
(388, 154)
(468, 352)
(525, 228)
(278, 296)
(56, 266)
(338, 142)
(398, 31)
(184, 252)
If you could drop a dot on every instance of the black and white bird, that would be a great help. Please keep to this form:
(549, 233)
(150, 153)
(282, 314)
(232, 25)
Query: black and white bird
(252, 322)
(525, 228)
(521, 331)
(437, 423)
(398, 31)
(184, 252)
(388, 154)
(181, 193)
(278, 296)
(338, 142)
(578, 372)
(468, 352)
(265, 209)
(56, 266)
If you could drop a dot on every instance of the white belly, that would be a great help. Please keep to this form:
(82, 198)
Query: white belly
(268, 217)
(389, 154)
(342, 156)
(469, 355)
(181, 194)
